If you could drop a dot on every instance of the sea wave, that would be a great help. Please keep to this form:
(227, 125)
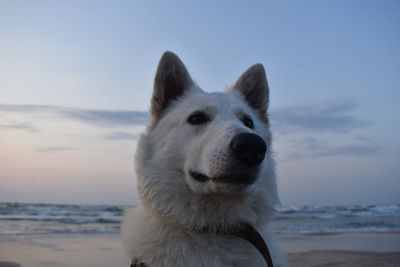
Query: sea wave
(18, 218)
(337, 219)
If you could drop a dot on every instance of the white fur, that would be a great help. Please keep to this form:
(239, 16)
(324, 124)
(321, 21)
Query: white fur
(164, 230)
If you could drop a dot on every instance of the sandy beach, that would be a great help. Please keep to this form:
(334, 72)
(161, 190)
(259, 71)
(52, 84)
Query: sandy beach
(62, 251)
(372, 249)
(344, 250)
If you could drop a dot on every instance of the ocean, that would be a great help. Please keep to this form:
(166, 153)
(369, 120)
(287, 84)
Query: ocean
(27, 219)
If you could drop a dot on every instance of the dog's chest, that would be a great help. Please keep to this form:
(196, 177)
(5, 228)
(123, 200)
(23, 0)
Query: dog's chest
(203, 249)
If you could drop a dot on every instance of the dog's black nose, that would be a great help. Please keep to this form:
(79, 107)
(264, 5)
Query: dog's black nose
(248, 148)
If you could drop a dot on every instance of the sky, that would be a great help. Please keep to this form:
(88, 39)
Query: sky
(76, 80)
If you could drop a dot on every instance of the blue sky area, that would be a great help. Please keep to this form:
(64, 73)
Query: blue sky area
(76, 79)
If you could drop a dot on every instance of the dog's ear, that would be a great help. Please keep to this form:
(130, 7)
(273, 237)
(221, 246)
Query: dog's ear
(253, 86)
(172, 80)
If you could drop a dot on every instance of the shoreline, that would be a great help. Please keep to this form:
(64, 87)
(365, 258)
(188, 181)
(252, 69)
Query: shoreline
(105, 250)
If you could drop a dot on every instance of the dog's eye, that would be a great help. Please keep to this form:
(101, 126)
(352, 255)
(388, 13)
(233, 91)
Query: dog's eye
(248, 122)
(198, 118)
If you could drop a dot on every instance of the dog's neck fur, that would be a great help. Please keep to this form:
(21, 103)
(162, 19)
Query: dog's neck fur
(226, 216)
(186, 209)
(244, 231)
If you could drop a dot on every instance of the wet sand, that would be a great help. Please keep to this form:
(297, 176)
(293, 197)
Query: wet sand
(105, 250)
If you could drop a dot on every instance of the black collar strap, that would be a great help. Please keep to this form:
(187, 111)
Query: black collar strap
(245, 231)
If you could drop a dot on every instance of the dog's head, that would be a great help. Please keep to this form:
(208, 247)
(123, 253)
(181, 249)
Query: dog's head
(205, 160)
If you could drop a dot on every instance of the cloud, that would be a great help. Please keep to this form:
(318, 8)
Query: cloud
(312, 131)
(122, 136)
(23, 126)
(336, 117)
(105, 118)
(311, 147)
(55, 149)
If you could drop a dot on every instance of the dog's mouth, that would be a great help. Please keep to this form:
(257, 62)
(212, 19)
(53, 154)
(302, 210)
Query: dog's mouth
(202, 178)
(231, 178)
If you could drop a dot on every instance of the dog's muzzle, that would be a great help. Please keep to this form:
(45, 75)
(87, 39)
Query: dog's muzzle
(247, 151)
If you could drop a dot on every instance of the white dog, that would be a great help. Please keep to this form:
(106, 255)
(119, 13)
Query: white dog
(204, 171)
